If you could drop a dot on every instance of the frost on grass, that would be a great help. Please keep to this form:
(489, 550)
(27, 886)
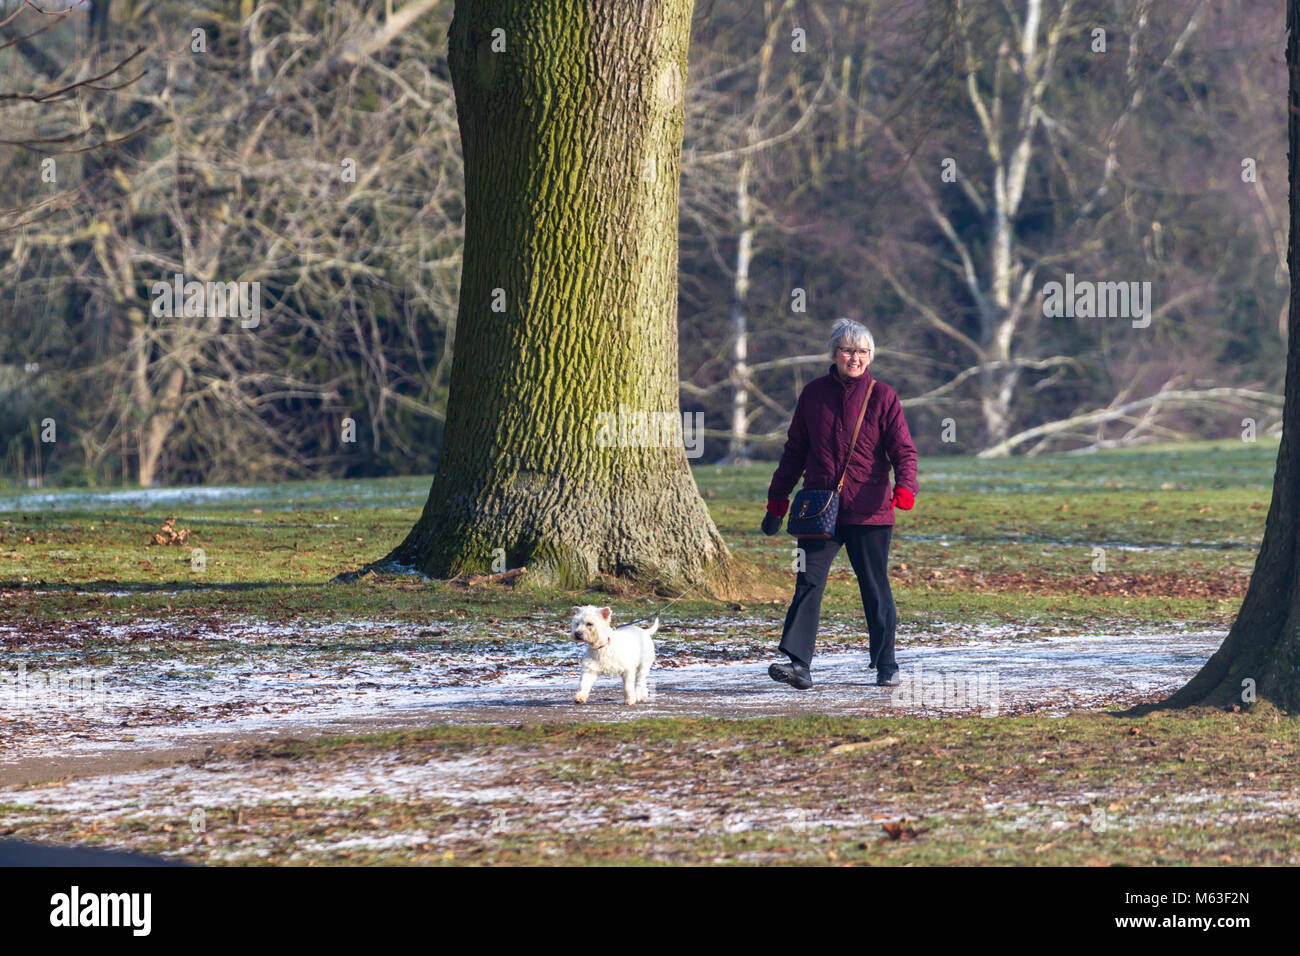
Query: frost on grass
(427, 804)
(153, 684)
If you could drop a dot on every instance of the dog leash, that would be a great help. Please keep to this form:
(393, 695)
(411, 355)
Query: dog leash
(670, 603)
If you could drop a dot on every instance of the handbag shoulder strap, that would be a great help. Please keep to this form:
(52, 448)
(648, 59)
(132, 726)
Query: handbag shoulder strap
(853, 442)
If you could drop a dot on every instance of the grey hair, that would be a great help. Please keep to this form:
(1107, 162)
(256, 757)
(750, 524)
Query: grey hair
(850, 334)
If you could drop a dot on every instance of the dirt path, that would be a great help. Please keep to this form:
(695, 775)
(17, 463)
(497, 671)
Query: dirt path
(1055, 675)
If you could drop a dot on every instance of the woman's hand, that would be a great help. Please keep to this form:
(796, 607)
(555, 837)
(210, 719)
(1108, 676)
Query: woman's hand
(902, 499)
(775, 512)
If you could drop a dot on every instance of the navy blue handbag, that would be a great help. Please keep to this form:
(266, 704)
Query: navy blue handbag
(813, 513)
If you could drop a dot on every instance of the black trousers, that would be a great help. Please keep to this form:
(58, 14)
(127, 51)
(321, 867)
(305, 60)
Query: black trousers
(868, 547)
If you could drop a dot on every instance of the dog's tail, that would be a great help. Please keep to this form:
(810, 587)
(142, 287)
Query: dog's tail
(653, 627)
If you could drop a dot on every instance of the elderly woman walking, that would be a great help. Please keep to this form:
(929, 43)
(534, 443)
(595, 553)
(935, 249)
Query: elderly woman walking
(833, 438)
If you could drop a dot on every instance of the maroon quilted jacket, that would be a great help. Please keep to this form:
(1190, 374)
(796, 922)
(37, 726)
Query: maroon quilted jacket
(818, 443)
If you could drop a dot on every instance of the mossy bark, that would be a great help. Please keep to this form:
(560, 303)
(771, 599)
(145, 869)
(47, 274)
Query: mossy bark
(1260, 659)
(570, 117)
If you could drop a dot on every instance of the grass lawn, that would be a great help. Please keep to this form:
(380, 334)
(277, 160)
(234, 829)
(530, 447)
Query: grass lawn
(1088, 789)
(1003, 542)
(989, 541)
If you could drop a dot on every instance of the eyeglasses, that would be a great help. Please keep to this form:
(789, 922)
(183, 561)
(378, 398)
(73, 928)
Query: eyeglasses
(850, 353)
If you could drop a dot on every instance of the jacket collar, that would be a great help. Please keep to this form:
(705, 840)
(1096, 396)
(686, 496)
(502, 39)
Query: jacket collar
(861, 382)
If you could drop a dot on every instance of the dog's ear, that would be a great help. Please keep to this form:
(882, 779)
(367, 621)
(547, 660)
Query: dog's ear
(577, 608)
(604, 612)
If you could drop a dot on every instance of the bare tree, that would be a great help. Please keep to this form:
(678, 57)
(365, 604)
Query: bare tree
(1009, 92)
(1260, 658)
(561, 453)
(765, 123)
(327, 188)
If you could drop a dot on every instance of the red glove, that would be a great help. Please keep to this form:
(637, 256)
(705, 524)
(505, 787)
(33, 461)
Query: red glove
(777, 509)
(902, 499)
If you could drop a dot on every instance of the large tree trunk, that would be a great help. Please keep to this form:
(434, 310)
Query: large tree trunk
(572, 146)
(1260, 660)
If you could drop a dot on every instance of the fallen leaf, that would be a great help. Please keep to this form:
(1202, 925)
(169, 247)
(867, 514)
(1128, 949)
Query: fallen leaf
(900, 831)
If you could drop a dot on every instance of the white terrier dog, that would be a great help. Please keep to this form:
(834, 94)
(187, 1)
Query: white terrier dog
(626, 652)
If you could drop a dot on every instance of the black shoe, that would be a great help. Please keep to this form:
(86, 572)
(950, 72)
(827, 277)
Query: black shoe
(796, 675)
(887, 678)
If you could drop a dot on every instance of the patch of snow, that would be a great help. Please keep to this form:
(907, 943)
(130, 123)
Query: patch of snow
(252, 678)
